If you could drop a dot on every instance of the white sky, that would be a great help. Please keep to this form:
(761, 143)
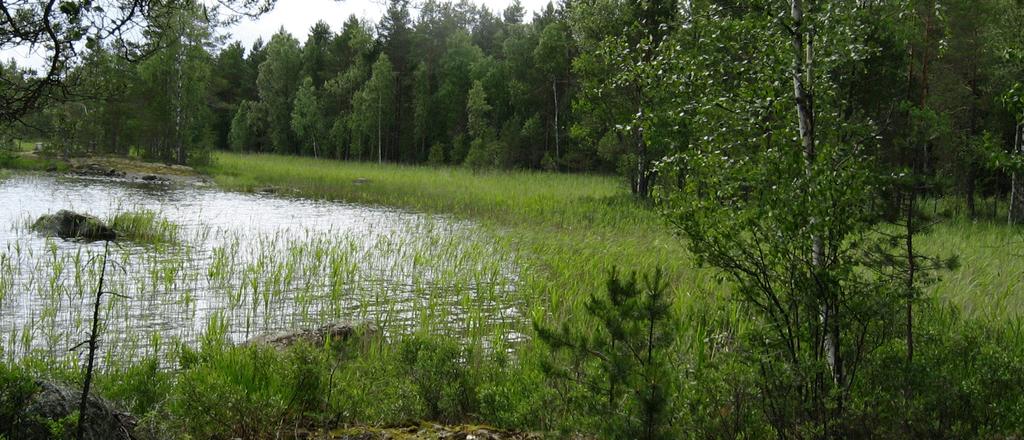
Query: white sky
(297, 17)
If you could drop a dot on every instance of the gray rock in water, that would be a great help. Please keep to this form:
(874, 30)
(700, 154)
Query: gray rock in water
(72, 225)
(335, 332)
(97, 170)
(54, 402)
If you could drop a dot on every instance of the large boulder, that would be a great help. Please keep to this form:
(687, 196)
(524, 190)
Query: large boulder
(335, 332)
(71, 225)
(53, 403)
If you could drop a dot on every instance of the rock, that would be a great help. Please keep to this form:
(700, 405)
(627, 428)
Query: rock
(54, 402)
(361, 181)
(337, 332)
(72, 225)
(154, 179)
(97, 170)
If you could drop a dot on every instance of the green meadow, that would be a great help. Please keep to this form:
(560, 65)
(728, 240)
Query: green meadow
(576, 227)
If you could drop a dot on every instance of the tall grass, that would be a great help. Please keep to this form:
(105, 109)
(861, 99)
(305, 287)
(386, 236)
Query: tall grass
(144, 226)
(989, 284)
(575, 227)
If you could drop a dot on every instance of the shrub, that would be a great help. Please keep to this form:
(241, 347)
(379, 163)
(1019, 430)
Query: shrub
(434, 365)
(624, 363)
(247, 392)
(965, 382)
(140, 388)
(373, 389)
(16, 388)
(514, 394)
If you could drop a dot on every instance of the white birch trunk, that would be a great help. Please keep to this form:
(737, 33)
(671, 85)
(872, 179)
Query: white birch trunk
(803, 55)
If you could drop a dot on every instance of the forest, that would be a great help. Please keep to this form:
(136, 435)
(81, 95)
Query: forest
(622, 219)
(582, 86)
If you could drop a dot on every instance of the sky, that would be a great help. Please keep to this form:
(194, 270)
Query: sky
(297, 17)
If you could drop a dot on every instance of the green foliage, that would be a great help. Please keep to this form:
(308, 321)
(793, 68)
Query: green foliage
(145, 226)
(515, 395)
(247, 127)
(307, 118)
(964, 383)
(278, 82)
(443, 382)
(21, 162)
(372, 109)
(16, 388)
(246, 392)
(140, 388)
(175, 124)
(436, 156)
(626, 366)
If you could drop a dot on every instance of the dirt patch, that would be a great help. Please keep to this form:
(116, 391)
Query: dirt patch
(129, 169)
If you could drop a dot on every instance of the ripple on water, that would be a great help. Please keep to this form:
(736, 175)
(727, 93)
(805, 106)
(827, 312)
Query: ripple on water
(246, 264)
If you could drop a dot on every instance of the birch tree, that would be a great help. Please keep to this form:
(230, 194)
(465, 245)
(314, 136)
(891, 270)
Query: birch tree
(776, 191)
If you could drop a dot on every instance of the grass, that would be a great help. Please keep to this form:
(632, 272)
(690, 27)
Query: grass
(989, 284)
(569, 229)
(31, 162)
(144, 226)
(575, 227)
(453, 300)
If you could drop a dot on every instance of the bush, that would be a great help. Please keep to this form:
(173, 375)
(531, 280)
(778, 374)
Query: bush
(247, 392)
(624, 363)
(965, 381)
(373, 389)
(140, 388)
(16, 388)
(434, 365)
(514, 395)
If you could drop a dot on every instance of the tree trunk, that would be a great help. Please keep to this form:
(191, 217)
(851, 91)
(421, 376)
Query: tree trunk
(803, 62)
(92, 343)
(380, 154)
(558, 147)
(969, 190)
(911, 274)
(1017, 191)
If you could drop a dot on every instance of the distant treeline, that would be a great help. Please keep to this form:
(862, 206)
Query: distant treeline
(596, 85)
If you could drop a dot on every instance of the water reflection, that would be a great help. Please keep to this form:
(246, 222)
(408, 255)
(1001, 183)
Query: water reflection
(246, 264)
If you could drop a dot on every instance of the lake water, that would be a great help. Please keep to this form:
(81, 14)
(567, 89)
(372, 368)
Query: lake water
(243, 265)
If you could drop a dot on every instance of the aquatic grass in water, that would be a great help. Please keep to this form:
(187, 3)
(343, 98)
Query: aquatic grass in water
(436, 276)
(144, 226)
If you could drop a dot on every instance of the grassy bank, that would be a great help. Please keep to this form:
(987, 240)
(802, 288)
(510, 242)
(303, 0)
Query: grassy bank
(570, 228)
(577, 226)
(31, 162)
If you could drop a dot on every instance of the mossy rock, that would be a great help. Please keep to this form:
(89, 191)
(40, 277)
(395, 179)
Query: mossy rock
(71, 225)
(52, 413)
